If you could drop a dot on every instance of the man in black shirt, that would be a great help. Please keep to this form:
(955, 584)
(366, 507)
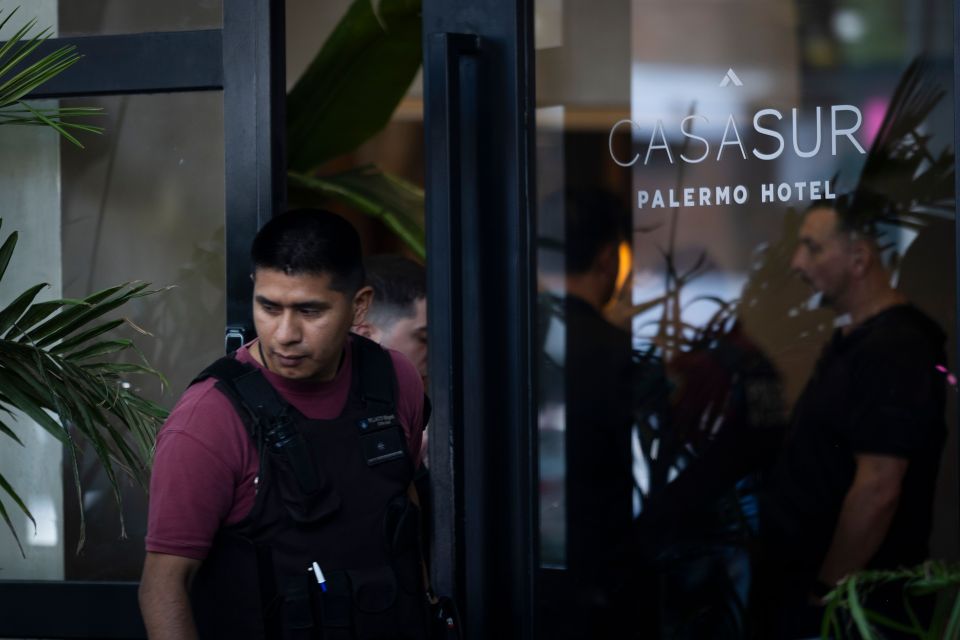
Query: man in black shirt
(585, 367)
(854, 485)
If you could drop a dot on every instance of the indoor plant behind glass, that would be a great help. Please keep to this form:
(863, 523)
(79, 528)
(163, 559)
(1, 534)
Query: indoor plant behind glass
(348, 94)
(847, 616)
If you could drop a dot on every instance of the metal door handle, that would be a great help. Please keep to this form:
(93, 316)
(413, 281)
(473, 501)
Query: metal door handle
(445, 179)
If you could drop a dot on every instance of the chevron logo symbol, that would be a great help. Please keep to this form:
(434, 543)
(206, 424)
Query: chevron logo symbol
(729, 77)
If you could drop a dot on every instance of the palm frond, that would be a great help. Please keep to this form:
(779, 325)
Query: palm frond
(6, 251)
(849, 601)
(901, 176)
(21, 72)
(60, 371)
(7, 489)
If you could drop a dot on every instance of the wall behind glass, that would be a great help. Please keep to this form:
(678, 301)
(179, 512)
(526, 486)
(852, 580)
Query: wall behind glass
(145, 201)
(108, 17)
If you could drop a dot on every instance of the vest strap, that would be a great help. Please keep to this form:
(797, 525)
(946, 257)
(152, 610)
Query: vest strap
(373, 368)
(270, 424)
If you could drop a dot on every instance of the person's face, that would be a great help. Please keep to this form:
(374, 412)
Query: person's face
(409, 337)
(823, 257)
(302, 322)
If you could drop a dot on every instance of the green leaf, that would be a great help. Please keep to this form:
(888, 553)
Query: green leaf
(100, 349)
(4, 22)
(17, 57)
(52, 124)
(16, 498)
(829, 620)
(25, 117)
(953, 626)
(14, 389)
(856, 609)
(397, 203)
(6, 430)
(12, 57)
(120, 367)
(39, 312)
(878, 618)
(84, 336)
(147, 407)
(13, 531)
(6, 251)
(15, 309)
(352, 87)
(68, 320)
(37, 72)
(34, 75)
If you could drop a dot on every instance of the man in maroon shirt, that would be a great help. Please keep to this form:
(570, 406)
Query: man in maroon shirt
(208, 469)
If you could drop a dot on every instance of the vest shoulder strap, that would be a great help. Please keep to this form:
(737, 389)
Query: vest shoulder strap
(246, 387)
(374, 377)
(225, 368)
(378, 379)
(265, 415)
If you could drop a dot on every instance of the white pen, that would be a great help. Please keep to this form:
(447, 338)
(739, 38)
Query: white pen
(319, 574)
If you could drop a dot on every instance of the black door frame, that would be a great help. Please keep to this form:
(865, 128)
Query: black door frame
(479, 129)
(246, 60)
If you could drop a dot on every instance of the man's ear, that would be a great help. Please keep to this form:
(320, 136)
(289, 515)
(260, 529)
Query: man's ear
(361, 304)
(608, 260)
(861, 256)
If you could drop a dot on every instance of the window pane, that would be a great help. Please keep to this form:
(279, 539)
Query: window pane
(686, 297)
(144, 201)
(111, 17)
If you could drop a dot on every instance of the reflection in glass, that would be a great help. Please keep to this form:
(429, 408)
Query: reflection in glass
(145, 202)
(718, 126)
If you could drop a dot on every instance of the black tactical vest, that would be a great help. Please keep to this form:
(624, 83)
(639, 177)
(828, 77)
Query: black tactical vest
(330, 549)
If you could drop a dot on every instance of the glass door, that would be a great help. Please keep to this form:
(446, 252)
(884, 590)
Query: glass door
(692, 280)
(743, 211)
(188, 168)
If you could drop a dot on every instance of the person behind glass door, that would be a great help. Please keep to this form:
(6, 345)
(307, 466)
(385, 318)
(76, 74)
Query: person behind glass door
(854, 484)
(397, 320)
(397, 317)
(590, 361)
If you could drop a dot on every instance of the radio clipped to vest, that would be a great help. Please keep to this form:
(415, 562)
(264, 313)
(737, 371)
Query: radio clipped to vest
(382, 439)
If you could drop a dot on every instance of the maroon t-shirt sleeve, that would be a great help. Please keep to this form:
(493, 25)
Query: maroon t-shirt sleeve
(202, 474)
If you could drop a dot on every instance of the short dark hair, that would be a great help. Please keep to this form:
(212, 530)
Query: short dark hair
(311, 241)
(860, 212)
(397, 282)
(576, 224)
(865, 215)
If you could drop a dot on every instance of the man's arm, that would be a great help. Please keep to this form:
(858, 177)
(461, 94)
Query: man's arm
(164, 600)
(865, 516)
